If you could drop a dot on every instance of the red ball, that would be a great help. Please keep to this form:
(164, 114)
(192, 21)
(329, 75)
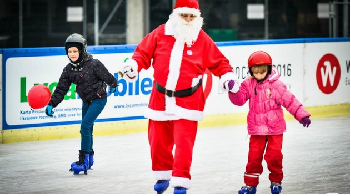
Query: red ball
(39, 96)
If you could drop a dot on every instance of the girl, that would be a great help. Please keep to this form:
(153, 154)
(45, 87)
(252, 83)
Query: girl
(266, 124)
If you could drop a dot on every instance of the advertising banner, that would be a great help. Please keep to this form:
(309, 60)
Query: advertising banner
(289, 66)
(316, 71)
(128, 102)
(327, 73)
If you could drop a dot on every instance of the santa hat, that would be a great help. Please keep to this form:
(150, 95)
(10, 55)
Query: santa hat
(187, 7)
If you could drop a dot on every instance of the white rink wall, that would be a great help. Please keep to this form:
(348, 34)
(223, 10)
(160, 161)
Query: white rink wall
(315, 70)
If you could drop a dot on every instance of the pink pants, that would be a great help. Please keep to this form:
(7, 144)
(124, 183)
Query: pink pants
(274, 158)
(163, 135)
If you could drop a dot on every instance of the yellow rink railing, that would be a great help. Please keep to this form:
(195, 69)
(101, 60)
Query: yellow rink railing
(136, 126)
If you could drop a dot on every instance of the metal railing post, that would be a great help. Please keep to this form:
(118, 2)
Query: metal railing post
(96, 22)
(266, 23)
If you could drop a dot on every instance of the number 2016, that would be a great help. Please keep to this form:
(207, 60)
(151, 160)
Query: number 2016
(284, 70)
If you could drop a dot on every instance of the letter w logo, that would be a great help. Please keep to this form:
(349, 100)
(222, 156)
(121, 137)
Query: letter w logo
(328, 73)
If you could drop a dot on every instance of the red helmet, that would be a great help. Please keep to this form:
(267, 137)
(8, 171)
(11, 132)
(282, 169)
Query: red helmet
(259, 58)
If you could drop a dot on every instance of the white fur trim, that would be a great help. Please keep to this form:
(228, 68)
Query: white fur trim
(170, 105)
(174, 65)
(159, 115)
(130, 63)
(275, 73)
(179, 113)
(180, 181)
(173, 75)
(162, 175)
(187, 10)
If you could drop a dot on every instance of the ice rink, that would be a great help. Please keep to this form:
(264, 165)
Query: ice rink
(316, 160)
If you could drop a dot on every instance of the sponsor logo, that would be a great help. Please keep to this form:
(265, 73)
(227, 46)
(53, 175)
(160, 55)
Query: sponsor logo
(142, 86)
(328, 73)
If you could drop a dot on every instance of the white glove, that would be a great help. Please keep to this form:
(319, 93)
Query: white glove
(231, 86)
(226, 85)
(130, 70)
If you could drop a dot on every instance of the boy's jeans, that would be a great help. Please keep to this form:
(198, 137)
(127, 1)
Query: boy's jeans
(90, 112)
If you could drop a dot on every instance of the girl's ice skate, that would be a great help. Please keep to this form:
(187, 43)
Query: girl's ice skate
(247, 190)
(276, 188)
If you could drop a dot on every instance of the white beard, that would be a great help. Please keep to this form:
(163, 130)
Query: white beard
(186, 32)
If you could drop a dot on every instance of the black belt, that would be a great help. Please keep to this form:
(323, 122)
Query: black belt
(180, 93)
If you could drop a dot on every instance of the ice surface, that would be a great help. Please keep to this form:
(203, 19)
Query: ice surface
(316, 160)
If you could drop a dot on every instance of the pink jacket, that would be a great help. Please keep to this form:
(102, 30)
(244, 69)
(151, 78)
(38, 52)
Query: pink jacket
(265, 104)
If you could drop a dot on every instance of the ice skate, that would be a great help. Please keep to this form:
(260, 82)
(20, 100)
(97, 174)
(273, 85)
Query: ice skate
(82, 164)
(276, 188)
(179, 190)
(161, 186)
(247, 190)
(73, 164)
(91, 159)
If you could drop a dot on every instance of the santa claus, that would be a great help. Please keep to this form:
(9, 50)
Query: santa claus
(180, 52)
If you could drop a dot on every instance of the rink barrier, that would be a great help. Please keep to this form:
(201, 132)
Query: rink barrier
(139, 126)
(312, 50)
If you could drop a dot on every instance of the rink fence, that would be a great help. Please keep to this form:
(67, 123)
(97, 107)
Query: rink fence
(316, 70)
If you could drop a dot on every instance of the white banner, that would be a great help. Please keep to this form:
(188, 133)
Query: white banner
(131, 99)
(327, 73)
(317, 73)
(289, 66)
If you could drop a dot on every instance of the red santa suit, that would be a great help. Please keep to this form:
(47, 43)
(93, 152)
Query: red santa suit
(173, 120)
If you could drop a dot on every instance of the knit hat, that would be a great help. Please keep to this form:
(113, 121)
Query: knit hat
(187, 7)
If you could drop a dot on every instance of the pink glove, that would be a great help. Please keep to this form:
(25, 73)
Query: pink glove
(305, 121)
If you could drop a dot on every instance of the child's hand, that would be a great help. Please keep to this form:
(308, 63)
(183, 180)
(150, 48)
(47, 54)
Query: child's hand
(112, 89)
(305, 121)
(48, 110)
(229, 85)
